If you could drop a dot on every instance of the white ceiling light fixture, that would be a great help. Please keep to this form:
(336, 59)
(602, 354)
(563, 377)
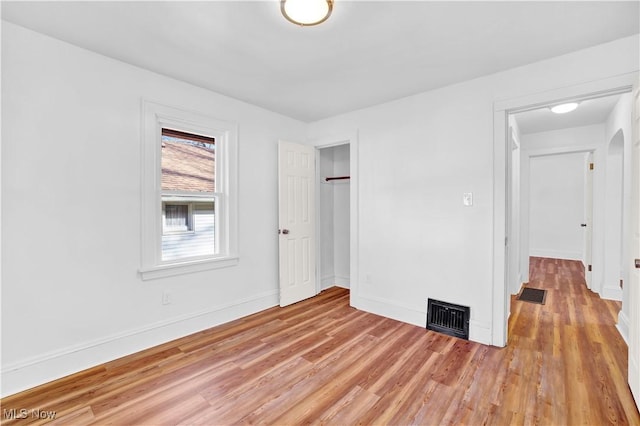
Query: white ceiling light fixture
(564, 108)
(306, 13)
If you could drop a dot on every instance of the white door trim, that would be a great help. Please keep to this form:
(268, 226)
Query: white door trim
(634, 252)
(588, 218)
(354, 258)
(500, 297)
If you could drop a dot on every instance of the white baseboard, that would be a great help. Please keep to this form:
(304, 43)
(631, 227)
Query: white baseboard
(392, 310)
(327, 282)
(555, 254)
(611, 293)
(54, 365)
(334, 281)
(478, 332)
(623, 326)
(342, 281)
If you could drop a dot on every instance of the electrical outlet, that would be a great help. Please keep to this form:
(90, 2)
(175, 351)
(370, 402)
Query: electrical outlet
(467, 199)
(166, 298)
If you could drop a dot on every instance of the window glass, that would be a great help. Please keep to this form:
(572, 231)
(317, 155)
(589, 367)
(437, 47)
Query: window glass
(177, 217)
(188, 195)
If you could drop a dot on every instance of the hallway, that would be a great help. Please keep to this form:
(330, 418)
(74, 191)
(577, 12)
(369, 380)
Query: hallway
(570, 349)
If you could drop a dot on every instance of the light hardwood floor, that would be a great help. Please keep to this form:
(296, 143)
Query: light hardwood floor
(320, 361)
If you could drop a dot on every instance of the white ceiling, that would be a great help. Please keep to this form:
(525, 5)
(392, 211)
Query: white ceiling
(366, 53)
(591, 111)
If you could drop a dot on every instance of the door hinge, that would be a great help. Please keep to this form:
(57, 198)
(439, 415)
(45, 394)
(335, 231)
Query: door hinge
(590, 166)
(589, 268)
(621, 283)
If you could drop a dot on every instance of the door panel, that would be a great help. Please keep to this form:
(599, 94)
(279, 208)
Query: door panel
(634, 285)
(296, 198)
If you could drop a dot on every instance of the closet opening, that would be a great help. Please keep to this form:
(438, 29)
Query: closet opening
(333, 208)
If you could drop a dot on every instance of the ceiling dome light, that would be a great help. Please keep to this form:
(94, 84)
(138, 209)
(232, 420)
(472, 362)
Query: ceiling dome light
(306, 12)
(564, 108)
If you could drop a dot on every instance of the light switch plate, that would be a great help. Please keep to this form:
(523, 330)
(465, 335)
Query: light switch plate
(467, 198)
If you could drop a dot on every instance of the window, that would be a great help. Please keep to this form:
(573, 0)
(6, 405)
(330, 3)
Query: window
(189, 181)
(177, 218)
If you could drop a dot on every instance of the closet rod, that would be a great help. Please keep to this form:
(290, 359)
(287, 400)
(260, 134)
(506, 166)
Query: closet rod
(327, 179)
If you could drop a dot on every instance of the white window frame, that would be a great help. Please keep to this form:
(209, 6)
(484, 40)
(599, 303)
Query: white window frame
(156, 116)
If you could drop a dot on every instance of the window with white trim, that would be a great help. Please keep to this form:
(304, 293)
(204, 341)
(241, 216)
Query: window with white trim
(189, 192)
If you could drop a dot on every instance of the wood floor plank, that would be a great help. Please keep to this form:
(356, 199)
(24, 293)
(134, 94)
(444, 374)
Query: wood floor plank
(232, 406)
(322, 362)
(349, 409)
(295, 400)
(405, 404)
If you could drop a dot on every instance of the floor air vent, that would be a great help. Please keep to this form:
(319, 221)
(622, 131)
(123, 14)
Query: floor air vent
(447, 318)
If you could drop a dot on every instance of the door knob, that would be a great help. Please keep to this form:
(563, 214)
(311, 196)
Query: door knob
(584, 225)
(637, 263)
(285, 231)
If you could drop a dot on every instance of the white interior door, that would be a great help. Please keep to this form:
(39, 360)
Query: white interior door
(634, 285)
(296, 202)
(588, 221)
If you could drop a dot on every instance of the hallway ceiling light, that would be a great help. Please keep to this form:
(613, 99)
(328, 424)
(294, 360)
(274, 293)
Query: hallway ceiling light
(306, 12)
(564, 108)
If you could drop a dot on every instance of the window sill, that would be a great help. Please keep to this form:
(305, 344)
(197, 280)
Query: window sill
(187, 267)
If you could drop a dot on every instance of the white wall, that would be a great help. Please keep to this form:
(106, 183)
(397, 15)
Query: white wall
(417, 156)
(619, 122)
(560, 141)
(71, 295)
(334, 217)
(556, 206)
